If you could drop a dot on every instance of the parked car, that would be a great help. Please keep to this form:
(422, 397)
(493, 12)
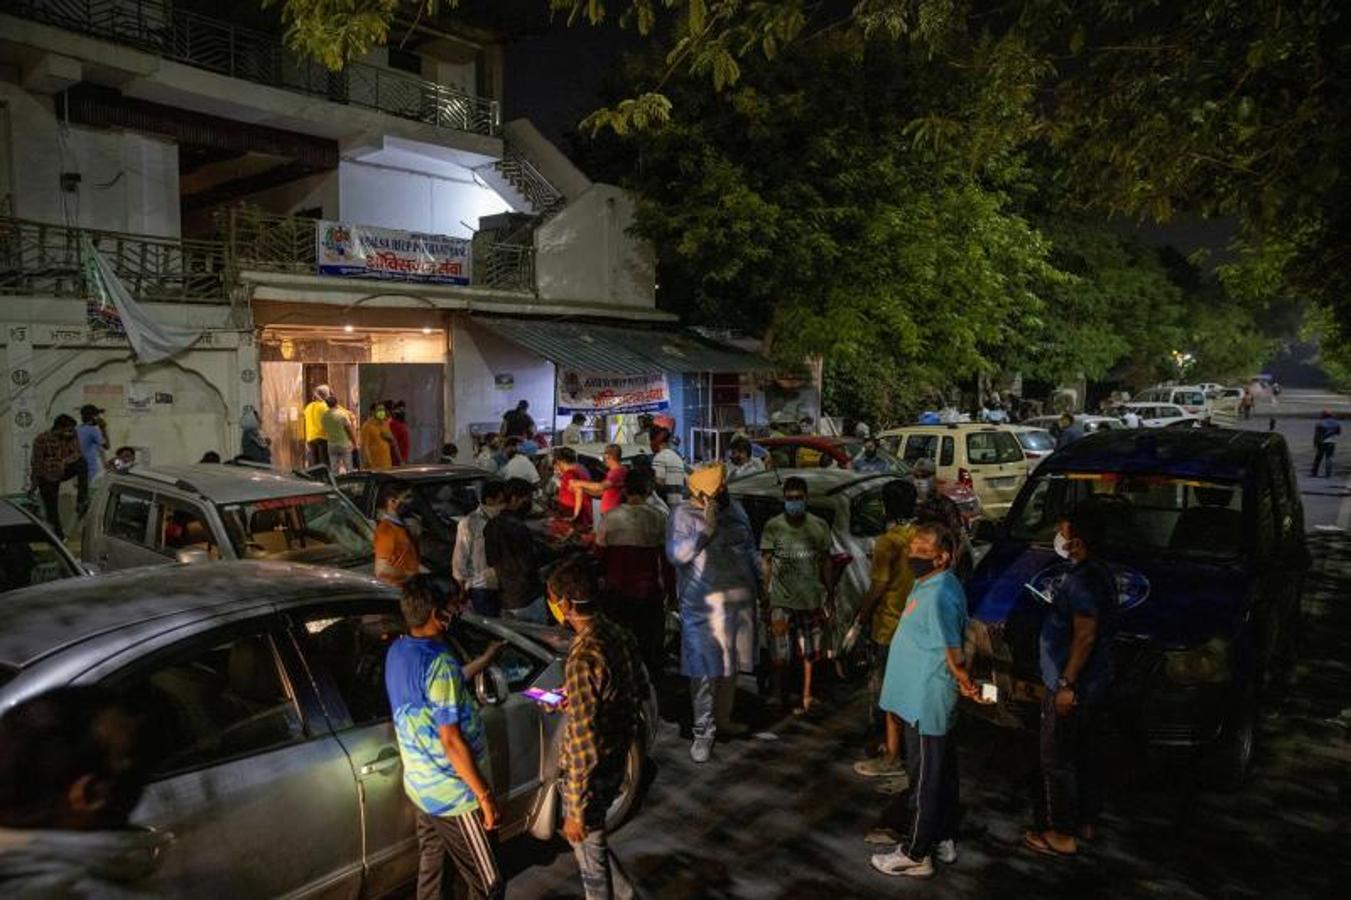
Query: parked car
(988, 459)
(850, 503)
(1038, 443)
(1211, 388)
(280, 771)
(441, 495)
(1209, 556)
(807, 452)
(1191, 398)
(1161, 415)
(152, 515)
(29, 552)
(1090, 424)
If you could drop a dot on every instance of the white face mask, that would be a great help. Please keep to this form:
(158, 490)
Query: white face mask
(1062, 546)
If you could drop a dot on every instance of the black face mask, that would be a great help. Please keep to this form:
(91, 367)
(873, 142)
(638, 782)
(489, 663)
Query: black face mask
(921, 566)
(406, 509)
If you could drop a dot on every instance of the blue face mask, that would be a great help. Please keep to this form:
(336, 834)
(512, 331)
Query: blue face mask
(795, 508)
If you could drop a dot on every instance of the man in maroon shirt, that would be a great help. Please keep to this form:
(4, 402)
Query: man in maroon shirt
(610, 490)
(398, 426)
(573, 503)
(631, 539)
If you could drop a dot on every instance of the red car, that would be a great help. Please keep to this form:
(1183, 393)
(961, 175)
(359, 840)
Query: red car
(810, 451)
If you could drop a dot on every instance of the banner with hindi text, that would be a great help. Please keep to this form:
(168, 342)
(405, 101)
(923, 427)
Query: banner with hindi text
(360, 251)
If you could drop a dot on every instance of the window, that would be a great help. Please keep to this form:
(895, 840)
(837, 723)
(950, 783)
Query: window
(992, 448)
(1037, 441)
(468, 641)
(949, 451)
(183, 526)
(129, 516)
(1169, 412)
(311, 528)
(355, 490)
(217, 702)
(449, 500)
(921, 446)
(27, 556)
(781, 457)
(867, 515)
(1190, 398)
(349, 651)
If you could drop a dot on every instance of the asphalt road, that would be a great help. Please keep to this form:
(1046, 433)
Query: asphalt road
(783, 815)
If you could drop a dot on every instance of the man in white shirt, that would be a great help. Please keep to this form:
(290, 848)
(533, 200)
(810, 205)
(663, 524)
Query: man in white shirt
(519, 465)
(743, 461)
(1131, 418)
(668, 467)
(469, 561)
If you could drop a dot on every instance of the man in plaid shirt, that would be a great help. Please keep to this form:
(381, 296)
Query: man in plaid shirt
(57, 458)
(605, 686)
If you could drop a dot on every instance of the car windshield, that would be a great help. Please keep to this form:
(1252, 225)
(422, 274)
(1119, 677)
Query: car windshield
(990, 447)
(1036, 440)
(761, 509)
(312, 528)
(450, 499)
(28, 557)
(1159, 513)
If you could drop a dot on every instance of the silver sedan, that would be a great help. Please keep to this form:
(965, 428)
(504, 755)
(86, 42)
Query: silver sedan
(280, 773)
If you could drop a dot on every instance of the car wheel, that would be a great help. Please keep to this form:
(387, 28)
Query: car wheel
(630, 791)
(1233, 752)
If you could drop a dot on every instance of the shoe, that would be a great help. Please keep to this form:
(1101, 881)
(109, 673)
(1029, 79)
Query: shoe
(878, 767)
(946, 851)
(884, 836)
(895, 784)
(701, 749)
(897, 863)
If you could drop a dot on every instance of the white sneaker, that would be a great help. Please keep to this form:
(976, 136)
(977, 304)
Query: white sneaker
(946, 851)
(897, 863)
(701, 749)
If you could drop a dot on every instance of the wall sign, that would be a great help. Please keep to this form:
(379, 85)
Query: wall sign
(504, 382)
(359, 251)
(582, 392)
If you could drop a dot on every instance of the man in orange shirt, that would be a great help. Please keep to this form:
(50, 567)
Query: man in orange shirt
(396, 553)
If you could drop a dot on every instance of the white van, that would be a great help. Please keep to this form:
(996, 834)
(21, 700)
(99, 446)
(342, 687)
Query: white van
(1191, 398)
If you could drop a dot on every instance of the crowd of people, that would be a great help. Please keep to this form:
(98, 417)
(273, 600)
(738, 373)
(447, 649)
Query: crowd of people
(335, 438)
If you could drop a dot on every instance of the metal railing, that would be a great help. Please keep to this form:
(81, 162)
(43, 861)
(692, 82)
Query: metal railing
(544, 198)
(269, 243)
(217, 46)
(43, 259)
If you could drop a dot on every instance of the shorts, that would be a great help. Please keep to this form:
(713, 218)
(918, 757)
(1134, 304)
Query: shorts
(795, 628)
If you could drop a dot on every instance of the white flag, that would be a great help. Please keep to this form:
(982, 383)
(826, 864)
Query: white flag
(150, 341)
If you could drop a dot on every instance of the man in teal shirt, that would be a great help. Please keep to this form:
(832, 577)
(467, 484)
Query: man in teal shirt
(925, 673)
(442, 744)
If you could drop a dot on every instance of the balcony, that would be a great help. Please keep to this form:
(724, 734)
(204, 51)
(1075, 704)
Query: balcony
(42, 259)
(262, 242)
(153, 26)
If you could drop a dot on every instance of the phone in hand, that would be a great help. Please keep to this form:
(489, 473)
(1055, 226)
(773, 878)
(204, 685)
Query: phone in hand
(1040, 595)
(551, 699)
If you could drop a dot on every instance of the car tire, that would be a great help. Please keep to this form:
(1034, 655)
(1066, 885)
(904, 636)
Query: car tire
(1234, 749)
(630, 792)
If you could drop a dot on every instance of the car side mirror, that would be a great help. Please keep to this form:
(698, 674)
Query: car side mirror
(490, 685)
(193, 556)
(988, 531)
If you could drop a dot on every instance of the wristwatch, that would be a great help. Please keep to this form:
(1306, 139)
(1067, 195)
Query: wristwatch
(1065, 683)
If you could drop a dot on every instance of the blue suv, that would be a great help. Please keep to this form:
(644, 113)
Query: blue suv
(1209, 555)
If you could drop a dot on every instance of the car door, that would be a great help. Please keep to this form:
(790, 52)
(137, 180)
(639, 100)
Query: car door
(343, 646)
(359, 487)
(127, 538)
(257, 793)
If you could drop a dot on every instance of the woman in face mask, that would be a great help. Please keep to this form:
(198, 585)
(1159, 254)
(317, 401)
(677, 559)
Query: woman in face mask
(925, 673)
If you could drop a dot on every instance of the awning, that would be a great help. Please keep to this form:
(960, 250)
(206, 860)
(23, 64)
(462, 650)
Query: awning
(588, 347)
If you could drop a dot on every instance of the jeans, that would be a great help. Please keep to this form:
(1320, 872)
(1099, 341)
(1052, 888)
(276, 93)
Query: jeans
(1322, 454)
(470, 849)
(712, 699)
(931, 761)
(1071, 766)
(340, 459)
(485, 602)
(50, 492)
(602, 875)
(537, 612)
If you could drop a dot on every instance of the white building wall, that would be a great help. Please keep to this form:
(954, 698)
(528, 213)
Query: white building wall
(586, 253)
(128, 181)
(388, 197)
(477, 357)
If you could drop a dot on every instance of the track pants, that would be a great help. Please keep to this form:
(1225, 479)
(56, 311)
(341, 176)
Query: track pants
(931, 761)
(470, 849)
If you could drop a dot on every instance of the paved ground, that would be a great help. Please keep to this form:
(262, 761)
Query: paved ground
(786, 817)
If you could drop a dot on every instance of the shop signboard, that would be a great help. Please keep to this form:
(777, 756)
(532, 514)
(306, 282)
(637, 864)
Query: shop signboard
(359, 251)
(599, 394)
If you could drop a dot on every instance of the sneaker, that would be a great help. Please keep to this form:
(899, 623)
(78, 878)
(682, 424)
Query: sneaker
(878, 767)
(884, 836)
(888, 787)
(946, 851)
(701, 749)
(897, 863)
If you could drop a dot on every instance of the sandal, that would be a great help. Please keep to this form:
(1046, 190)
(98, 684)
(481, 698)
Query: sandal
(1037, 843)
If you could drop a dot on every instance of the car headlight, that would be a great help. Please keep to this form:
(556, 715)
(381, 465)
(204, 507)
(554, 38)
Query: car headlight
(1206, 664)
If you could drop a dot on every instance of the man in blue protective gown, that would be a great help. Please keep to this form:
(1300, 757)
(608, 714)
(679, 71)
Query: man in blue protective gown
(710, 543)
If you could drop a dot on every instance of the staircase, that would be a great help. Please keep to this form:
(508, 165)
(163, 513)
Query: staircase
(543, 198)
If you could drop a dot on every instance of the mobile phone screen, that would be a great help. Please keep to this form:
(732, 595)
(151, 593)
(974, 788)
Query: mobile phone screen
(548, 698)
(1040, 595)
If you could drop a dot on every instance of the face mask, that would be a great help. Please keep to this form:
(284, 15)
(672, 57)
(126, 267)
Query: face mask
(921, 566)
(870, 453)
(400, 414)
(556, 611)
(795, 508)
(405, 509)
(1062, 546)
